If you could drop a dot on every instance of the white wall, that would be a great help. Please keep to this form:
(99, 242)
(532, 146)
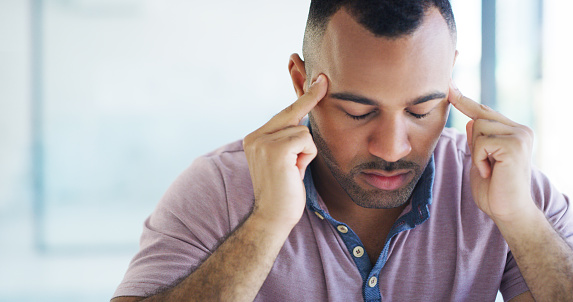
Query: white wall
(554, 107)
(135, 90)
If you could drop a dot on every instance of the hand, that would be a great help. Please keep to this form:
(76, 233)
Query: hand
(501, 159)
(278, 154)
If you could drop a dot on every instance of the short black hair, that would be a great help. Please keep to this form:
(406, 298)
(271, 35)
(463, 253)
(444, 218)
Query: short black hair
(384, 18)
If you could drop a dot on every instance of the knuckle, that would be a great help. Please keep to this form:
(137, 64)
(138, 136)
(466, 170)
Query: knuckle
(251, 138)
(304, 129)
(529, 131)
(245, 147)
(296, 136)
(527, 135)
(523, 144)
(485, 108)
(288, 109)
(479, 123)
(257, 145)
(516, 147)
(248, 139)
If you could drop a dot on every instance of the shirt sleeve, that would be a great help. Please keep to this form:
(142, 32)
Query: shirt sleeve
(187, 224)
(512, 282)
(556, 207)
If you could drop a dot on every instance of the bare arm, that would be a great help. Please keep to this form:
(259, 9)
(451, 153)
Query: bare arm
(543, 256)
(235, 271)
(278, 154)
(501, 186)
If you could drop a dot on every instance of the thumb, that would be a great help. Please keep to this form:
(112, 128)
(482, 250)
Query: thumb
(469, 132)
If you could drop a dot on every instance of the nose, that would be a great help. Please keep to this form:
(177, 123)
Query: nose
(389, 140)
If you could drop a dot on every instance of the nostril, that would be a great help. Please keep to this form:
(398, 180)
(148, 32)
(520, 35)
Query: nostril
(390, 150)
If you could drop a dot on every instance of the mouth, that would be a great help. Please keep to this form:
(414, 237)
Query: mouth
(387, 181)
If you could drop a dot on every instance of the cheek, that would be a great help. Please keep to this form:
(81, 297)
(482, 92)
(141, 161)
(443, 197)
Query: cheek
(343, 144)
(428, 133)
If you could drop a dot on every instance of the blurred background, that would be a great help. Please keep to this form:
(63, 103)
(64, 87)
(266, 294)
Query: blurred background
(104, 102)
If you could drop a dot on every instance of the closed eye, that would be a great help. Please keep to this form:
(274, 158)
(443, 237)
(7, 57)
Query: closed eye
(418, 116)
(359, 117)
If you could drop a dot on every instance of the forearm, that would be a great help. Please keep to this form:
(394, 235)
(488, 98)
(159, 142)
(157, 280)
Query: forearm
(237, 269)
(542, 255)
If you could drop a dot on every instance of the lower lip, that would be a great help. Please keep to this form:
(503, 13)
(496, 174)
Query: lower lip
(386, 183)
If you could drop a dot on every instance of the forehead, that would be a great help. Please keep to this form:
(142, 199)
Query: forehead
(355, 60)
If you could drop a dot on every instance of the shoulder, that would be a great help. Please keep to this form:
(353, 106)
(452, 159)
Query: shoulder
(224, 164)
(452, 151)
(453, 140)
(217, 182)
(204, 204)
(231, 155)
(234, 148)
(228, 169)
(555, 205)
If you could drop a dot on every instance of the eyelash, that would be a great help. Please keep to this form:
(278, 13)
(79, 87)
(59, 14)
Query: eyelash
(418, 116)
(361, 117)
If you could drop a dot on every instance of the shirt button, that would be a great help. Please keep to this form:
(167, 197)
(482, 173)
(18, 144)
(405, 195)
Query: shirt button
(319, 216)
(358, 251)
(342, 228)
(372, 281)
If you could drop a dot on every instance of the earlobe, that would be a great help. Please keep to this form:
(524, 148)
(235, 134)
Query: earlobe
(297, 73)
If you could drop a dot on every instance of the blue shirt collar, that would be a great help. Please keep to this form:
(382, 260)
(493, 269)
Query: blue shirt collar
(421, 196)
(415, 213)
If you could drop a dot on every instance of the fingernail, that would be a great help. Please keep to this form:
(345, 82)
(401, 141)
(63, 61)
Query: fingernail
(317, 80)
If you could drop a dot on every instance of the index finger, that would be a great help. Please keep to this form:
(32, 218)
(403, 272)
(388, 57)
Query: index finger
(294, 113)
(473, 109)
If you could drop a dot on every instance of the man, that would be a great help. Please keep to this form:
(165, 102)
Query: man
(371, 198)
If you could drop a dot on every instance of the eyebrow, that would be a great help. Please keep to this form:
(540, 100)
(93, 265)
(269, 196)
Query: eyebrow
(351, 97)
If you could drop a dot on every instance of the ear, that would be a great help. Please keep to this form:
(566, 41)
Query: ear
(297, 73)
(455, 57)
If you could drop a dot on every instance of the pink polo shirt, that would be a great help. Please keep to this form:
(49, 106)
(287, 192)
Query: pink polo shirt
(441, 248)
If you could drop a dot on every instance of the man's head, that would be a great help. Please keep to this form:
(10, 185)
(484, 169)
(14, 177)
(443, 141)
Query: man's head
(388, 65)
(383, 18)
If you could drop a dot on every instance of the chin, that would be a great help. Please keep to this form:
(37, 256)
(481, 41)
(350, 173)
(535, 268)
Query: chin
(379, 199)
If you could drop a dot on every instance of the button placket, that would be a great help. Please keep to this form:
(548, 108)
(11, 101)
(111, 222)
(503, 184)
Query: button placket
(358, 251)
(372, 281)
(342, 229)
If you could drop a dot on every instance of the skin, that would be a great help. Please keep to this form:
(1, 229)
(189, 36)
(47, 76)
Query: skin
(279, 152)
(500, 180)
(391, 134)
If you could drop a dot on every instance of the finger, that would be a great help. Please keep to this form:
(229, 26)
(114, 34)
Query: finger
(496, 149)
(474, 110)
(296, 143)
(483, 149)
(305, 158)
(293, 114)
(488, 128)
(289, 131)
(469, 132)
(491, 127)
